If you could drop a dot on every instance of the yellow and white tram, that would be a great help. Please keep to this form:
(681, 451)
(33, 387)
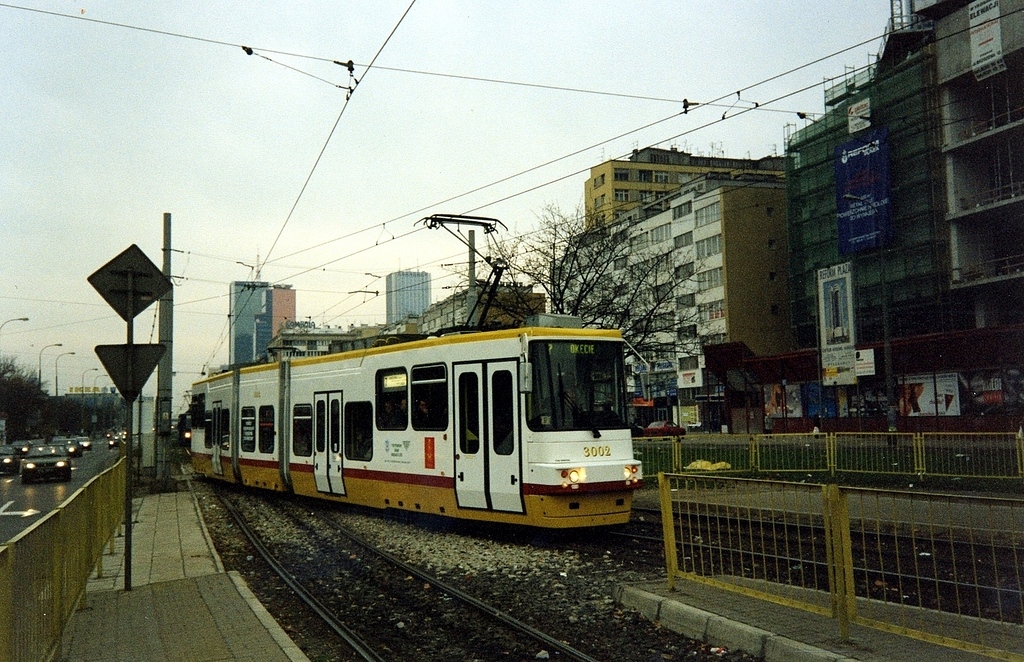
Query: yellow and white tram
(523, 426)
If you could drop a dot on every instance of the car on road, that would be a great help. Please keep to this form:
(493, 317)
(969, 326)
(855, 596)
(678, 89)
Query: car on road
(49, 461)
(74, 449)
(22, 447)
(84, 442)
(663, 429)
(10, 463)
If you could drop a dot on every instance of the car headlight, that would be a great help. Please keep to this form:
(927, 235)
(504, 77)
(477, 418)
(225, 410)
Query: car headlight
(62, 464)
(30, 465)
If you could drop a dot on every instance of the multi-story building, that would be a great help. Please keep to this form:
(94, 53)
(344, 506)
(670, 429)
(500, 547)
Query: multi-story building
(616, 187)
(408, 293)
(726, 239)
(246, 302)
(906, 227)
(277, 309)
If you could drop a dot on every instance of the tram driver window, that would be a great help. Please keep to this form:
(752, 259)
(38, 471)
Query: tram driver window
(392, 399)
(302, 431)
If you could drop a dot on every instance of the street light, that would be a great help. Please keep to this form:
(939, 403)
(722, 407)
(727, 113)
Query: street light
(56, 391)
(16, 319)
(39, 374)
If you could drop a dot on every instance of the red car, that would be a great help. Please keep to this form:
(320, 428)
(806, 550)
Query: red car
(663, 429)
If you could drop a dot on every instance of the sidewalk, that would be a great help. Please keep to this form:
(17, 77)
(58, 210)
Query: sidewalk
(182, 605)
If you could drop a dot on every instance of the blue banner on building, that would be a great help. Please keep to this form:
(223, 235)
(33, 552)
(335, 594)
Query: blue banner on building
(863, 205)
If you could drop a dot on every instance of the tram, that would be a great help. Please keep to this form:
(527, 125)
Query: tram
(521, 426)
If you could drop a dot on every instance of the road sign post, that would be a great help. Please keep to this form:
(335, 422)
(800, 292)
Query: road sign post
(129, 283)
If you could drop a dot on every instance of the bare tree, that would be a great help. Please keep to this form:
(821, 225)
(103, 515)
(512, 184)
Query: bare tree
(601, 275)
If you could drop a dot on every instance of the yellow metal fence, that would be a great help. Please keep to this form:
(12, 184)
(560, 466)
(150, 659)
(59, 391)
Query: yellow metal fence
(953, 455)
(941, 568)
(45, 569)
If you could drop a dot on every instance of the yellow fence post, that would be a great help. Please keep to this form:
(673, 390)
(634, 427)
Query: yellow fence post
(668, 528)
(920, 463)
(839, 557)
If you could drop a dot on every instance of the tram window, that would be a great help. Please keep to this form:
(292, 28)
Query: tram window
(248, 429)
(429, 398)
(469, 413)
(503, 412)
(335, 425)
(266, 431)
(197, 413)
(392, 399)
(302, 430)
(359, 431)
(225, 428)
(208, 429)
(320, 427)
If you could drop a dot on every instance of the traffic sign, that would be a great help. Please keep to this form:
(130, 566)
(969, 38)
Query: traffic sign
(130, 283)
(141, 359)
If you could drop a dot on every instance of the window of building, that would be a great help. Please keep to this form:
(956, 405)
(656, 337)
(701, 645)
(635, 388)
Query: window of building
(647, 196)
(707, 247)
(684, 240)
(712, 311)
(709, 279)
(684, 209)
(661, 177)
(688, 363)
(599, 180)
(685, 300)
(248, 429)
(621, 175)
(621, 195)
(645, 176)
(302, 430)
(266, 429)
(684, 271)
(661, 233)
(638, 241)
(620, 263)
(687, 331)
(429, 397)
(707, 215)
(392, 399)
(599, 201)
(714, 339)
(359, 431)
(772, 275)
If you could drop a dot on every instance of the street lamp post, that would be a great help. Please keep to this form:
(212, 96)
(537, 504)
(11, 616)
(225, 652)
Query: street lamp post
(16, 319)
(39, 374)
(56, 390)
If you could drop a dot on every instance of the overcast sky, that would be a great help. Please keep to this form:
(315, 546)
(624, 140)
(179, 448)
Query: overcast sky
(114, 113)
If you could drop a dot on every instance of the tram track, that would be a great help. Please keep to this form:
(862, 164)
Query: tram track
(558, 584)
(367, 649)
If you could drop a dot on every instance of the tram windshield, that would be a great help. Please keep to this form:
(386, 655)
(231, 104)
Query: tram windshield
(576, 386)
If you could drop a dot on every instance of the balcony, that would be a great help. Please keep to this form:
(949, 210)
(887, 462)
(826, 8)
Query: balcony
(1004, 268)
(981, 129)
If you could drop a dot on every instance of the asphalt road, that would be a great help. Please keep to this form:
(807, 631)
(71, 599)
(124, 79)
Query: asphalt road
(21, 506)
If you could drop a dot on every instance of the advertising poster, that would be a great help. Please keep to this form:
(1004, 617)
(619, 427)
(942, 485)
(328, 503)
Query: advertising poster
(863, 208)
(836, 336)
(782, 401)
(986, 39)
(929, 395)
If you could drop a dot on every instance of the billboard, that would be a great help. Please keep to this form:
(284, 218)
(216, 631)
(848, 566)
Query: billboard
(863, 205)
(835, 324)
(929, 395)
(986, 39)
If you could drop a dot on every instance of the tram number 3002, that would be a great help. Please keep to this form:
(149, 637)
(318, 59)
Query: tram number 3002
(597, 451)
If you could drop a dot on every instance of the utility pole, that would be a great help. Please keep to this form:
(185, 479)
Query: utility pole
(471, 294)
(164, 369)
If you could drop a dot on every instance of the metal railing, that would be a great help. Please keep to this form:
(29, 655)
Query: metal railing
(45, 569)
(940, 568)
(993, 455)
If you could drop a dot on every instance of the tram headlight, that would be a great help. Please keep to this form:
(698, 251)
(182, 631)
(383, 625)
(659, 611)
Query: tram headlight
(573, 477)
(630, 472)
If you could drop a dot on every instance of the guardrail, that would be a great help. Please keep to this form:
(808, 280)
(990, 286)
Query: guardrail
(945, 569)
(997, 455)
(45, 569)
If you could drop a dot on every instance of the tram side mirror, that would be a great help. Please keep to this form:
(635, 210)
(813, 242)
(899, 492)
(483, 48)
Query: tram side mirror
(526, 378)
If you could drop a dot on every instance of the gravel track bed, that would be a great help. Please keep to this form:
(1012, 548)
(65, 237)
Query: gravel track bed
(558, 582)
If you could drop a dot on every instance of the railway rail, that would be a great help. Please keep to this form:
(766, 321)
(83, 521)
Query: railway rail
(558, 585)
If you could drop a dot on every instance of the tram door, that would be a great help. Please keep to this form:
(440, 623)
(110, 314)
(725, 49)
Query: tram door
(488, 471)
(327, 455)
(219, 433)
